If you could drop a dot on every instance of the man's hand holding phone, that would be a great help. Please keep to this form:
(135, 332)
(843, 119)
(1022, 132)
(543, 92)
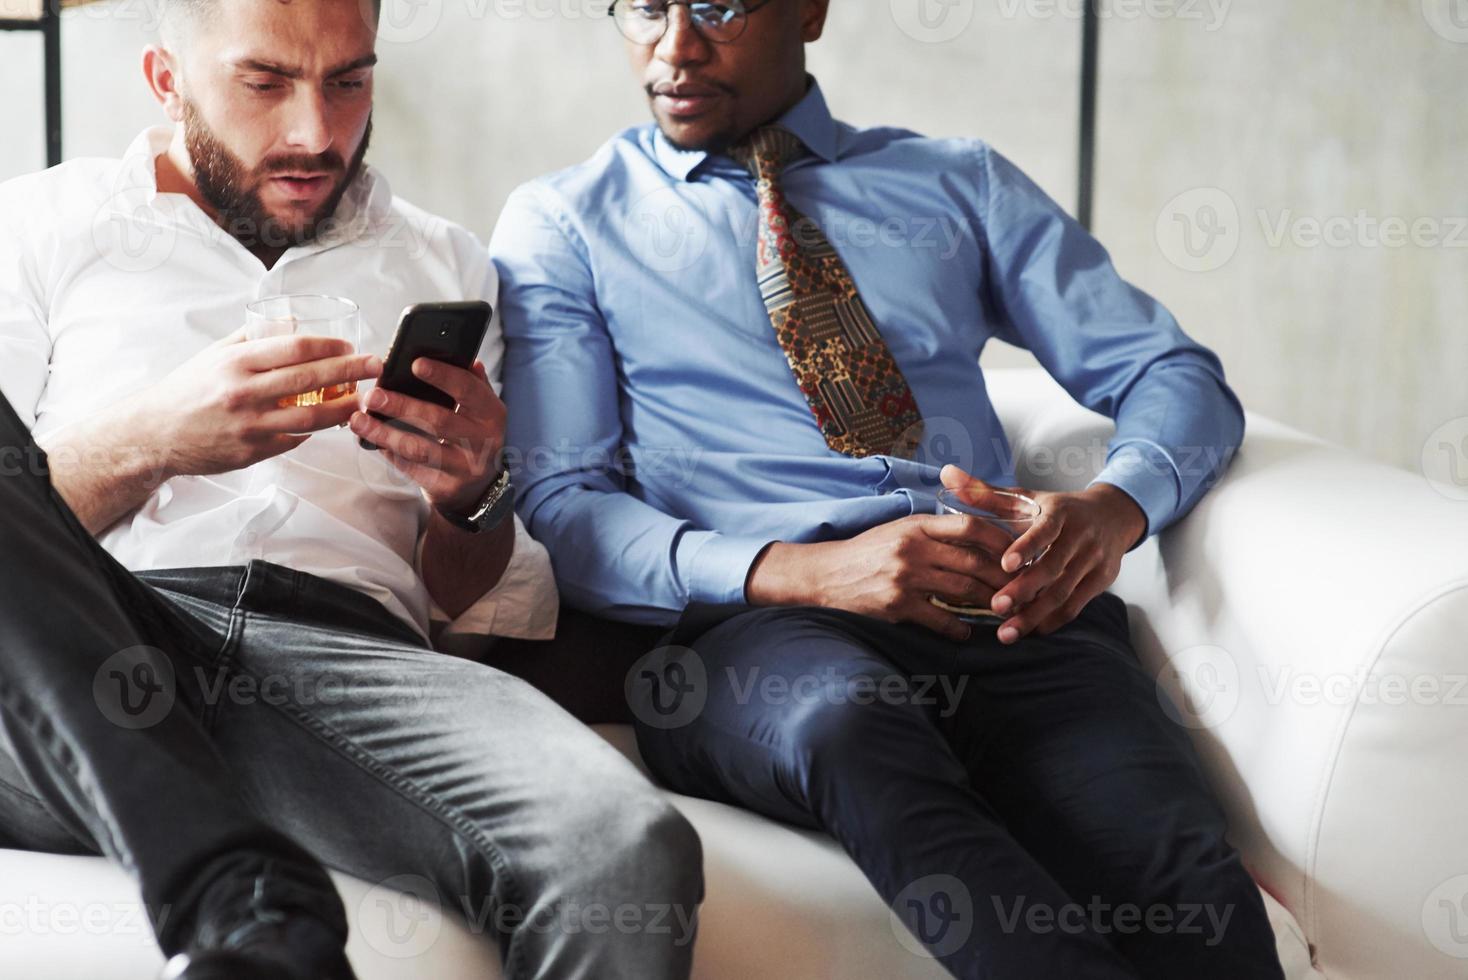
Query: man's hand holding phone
(454, 453)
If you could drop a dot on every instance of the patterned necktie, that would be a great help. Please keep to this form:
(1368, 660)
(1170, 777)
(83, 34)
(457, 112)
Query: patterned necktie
(855, 389)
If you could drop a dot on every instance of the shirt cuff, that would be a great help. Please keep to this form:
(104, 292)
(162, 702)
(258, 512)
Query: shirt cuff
(1146, 473)
(716, 566)
(523, 604)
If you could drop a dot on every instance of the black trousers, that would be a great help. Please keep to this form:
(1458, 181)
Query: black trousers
(235, 729)
(1027, 811)
(94, 760)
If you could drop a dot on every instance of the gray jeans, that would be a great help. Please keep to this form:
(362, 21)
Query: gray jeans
(201, 725)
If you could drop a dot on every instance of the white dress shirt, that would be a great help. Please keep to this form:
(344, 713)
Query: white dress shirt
(106, 285)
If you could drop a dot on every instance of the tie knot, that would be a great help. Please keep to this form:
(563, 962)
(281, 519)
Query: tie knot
(768, 151)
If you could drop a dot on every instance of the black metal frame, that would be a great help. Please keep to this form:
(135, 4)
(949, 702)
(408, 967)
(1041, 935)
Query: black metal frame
(1090, 71)
(749, 8)
(49, 26)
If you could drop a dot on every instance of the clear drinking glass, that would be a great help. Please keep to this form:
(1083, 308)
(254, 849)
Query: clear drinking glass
(1005, 516)
(312, 315)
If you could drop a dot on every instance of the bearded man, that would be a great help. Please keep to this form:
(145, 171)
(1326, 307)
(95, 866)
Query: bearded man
(216, 605)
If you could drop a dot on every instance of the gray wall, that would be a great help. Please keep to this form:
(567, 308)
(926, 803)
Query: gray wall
(1232, 131)
(1317, 134)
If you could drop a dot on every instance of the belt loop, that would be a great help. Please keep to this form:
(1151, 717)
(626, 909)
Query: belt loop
(244, 584)
(298, 590)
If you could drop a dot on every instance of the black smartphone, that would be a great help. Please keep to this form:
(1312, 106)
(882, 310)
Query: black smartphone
(448, 332)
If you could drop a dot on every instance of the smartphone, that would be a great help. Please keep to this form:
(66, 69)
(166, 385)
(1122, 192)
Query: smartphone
(448, 332)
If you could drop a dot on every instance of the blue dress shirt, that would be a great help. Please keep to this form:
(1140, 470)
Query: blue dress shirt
(656, 432)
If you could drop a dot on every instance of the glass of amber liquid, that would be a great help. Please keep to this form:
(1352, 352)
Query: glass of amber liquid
(316, 316)
(1004, 516)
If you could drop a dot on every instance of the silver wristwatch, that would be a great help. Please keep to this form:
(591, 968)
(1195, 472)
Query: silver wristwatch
(497, 504)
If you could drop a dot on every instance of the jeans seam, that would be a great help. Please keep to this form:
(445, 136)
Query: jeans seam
(50, 742)
(208, 656)
(420, 797)
(223, 664)
(23, 796)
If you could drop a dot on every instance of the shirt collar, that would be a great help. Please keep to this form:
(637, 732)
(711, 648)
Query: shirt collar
(139, 168)
(810, 119)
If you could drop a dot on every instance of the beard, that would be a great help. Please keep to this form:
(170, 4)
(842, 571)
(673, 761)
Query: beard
(713, 144)
(233, 189)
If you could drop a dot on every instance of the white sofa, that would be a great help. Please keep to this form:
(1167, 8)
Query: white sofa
(1282, 616)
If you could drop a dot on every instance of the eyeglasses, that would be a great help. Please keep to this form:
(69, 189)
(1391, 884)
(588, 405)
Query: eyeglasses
(646, 21)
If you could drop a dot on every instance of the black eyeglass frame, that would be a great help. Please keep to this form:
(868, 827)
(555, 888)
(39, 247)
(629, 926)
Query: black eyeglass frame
(745, 11)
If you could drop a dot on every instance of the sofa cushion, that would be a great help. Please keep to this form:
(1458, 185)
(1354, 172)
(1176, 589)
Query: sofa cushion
(782, 903)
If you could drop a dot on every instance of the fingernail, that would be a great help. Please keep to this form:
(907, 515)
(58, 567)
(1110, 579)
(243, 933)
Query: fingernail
(1002, 603)
(1011, 562)
(1008, 634)
(377, 399)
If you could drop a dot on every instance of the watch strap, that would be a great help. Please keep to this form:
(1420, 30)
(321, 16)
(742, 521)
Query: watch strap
(497, 504)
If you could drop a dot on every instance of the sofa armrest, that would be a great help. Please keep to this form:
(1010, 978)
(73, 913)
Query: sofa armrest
(1307, 623)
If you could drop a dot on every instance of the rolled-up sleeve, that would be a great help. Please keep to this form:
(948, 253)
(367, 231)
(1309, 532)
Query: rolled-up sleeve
(1115, 349)
(523, 605)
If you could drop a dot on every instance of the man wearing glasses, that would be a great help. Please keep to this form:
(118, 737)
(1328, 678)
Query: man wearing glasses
(742, 343)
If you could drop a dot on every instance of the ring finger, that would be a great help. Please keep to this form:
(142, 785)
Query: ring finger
(412, 446)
